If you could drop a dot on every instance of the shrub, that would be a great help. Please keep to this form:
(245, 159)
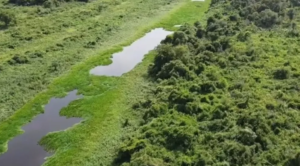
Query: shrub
(54, 66)
(18, 59)
(243, 36)
(179, 38)
(7, 18)
(207, 87)
(281, 74)
(295, 2)
(267, 19)
(27, 2)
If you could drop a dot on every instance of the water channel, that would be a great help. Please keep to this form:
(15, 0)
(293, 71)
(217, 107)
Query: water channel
(130, 56)
(24, 150)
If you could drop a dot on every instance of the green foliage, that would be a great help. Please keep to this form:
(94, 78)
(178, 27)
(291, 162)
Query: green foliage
(243, 36)
(27, 2)
(7, 18)
(45, 3)
(18, 59)
(281, 74)
(225, 93)
(267, 18)
(45, 43)
(295, 2)
(108, 100)
(291, 14)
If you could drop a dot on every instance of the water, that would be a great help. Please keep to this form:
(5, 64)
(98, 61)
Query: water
(24, 150)
(130, 56)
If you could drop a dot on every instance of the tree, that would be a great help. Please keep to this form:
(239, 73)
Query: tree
(295, 2)
(267, 19)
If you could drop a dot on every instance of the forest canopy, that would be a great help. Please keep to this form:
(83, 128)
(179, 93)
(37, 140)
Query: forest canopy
(225, 92)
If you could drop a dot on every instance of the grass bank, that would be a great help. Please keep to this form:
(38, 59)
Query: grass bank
(107, 102)
(46, 42)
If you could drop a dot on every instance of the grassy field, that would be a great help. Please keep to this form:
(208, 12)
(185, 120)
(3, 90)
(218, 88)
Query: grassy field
(46, 42)
(108, 100)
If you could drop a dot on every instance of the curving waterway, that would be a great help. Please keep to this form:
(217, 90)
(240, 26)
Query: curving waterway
(24, 149)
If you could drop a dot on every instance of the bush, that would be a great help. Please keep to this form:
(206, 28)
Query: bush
(293, 33)
(295, 2)
(207, 87)
(281, 74)
(18, 59)
(27, 2)
(243, 36)
(54, 66)
(179, 38)
(6, 18)
(267, 19)
(51, 3)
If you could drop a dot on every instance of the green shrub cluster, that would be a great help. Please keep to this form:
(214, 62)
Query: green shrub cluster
(7, 18)
(226, 93)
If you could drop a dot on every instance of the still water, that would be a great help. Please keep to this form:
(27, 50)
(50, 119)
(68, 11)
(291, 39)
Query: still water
(130, 56)
(24, 150)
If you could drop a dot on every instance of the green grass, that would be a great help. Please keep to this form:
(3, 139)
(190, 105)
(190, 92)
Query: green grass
(107, 102)
(189, 13)
(65, 36)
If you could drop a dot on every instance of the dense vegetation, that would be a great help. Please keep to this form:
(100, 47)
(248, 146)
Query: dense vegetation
(39, 43)
(220, 93)
(107, 101)
(223, 93)
(6, 18)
